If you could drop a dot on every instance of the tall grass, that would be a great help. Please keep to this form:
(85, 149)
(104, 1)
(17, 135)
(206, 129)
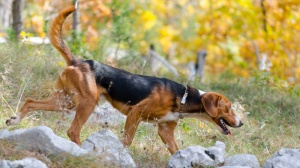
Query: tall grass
(273, 110)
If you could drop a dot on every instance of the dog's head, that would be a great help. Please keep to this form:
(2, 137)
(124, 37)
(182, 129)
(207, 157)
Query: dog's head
(218, 107)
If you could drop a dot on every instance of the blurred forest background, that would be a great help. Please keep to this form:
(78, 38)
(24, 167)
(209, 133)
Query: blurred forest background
(248, 49)
(239, 36)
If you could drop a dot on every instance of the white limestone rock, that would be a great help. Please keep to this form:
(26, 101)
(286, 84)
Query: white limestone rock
(43, 139)
(284, 158)
(197, 156)
(24, 163)
(107, 145)
(247, 160)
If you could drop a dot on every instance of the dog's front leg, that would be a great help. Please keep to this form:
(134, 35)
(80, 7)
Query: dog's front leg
(166, 133)
(132, 122)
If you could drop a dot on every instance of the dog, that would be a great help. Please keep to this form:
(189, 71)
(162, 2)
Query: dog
(141, 98)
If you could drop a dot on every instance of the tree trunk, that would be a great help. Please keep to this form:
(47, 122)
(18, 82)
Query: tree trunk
(264, 11)
(156, 59)
(17, 8)
(76, 18)
(201, 55)
(5, 13)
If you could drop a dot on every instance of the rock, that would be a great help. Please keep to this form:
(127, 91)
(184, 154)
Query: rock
(284, 158)
(218, 152)
(3, 134)
(242, 160)
(197, 156)
(43, 139)
(104, 145)
(2, 40)
(105, 115)
(24, 163)
(193, 156)
(234, 167)
(107, 145)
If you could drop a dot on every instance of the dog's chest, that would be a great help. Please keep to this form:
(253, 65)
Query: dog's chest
(174, 116)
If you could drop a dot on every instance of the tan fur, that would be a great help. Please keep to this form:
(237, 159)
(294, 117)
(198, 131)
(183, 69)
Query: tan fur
(55, 35)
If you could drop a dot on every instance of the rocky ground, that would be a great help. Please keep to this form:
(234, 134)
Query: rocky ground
(106, 145)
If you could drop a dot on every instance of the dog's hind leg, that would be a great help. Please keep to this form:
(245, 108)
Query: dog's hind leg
(166, 133)
(86, 96)
(83, 110)
(58, 101)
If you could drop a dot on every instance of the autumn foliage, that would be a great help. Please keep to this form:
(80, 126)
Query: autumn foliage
(236, 34)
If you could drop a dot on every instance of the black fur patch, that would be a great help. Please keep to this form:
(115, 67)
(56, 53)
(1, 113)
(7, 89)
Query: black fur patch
(129, 88)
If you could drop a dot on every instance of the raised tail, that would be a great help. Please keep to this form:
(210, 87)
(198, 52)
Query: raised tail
(55, 35)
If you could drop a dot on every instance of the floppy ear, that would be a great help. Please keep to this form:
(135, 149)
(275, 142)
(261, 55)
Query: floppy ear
(210, 103)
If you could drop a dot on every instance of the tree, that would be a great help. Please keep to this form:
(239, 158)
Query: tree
(17, 8)
(5, 13)
(76, 18)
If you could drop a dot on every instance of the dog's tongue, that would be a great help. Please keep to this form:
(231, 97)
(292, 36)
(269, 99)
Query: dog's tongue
(229, 132)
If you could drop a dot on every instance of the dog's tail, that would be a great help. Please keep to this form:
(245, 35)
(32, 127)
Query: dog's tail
(55, 35)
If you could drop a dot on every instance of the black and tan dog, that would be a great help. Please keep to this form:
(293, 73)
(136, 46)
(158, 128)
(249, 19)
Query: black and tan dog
(140, 98)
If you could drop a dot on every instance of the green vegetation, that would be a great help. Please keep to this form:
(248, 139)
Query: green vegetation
(271, 110)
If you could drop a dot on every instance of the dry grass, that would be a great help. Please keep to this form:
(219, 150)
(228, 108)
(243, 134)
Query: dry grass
(271, 122)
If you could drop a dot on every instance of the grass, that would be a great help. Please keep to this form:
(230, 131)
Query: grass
(271, 122)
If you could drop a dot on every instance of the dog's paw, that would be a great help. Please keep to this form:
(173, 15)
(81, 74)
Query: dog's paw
(12, 121)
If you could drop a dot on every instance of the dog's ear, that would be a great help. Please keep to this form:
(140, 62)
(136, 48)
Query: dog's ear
(210, 103)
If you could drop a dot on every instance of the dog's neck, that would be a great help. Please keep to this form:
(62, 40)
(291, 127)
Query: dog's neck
(193, 102)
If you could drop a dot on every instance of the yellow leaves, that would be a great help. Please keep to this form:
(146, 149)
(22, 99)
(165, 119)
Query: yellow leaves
(204, 4)
(201, 124)
(182, 2)
(148, 19)
(238, 71)
(143, 46)
(92, 38)
(245, 4)
(37, 23)
(194, 25)
(190, 9)
(25, 35)
(166, 31)
(204, 126)
(60, 63)
(166, 35)
(101, 9)
(184, 24)
(298, 72)
(159, 6)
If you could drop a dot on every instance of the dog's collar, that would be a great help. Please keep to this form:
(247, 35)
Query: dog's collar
(183, 100)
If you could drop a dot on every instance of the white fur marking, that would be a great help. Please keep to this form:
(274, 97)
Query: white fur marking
(201, 92)
(237, 121)
(15, 121)
(174, 116)
(171, 116)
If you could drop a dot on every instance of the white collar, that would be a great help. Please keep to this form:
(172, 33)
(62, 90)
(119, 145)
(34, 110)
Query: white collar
(184, 96)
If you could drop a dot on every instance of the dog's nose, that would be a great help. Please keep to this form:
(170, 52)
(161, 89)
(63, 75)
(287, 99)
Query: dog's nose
(241, 124)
